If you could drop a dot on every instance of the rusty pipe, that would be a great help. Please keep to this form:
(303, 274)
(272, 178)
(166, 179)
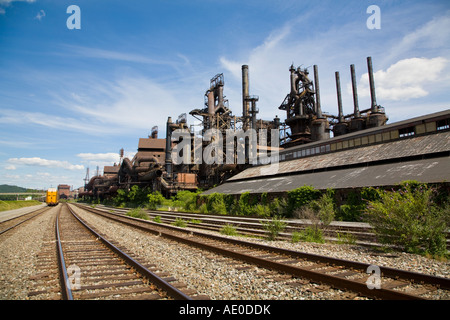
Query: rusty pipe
(374, 107)
(339, 98)
(356, 112)
(316, 84)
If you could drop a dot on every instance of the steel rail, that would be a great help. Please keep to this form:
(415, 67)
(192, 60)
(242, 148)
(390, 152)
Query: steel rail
(64, 277)
(36, 213)
(155, 279)
(317, 276)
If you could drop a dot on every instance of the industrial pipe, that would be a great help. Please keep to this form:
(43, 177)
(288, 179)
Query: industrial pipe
(316, 84)
(355, 92)
(374, 107)
(339, 98)
(169, 147)
(245, 93)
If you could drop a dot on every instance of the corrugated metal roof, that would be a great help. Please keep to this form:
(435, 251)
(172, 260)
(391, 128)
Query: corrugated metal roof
(415, 146)
(428, 171)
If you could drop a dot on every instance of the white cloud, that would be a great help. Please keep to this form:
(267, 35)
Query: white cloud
(40, 15)
(406, 79)
(36, 161)
(111, 157)
(7, 2)
(10, 167)
(431, 36)
(102, 159)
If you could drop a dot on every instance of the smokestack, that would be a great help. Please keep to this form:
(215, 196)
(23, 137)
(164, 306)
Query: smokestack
(339, 98)
(374, 107)
(355, 92)
(211, 102)
(169, 147)
(316, 84)
(245, 94)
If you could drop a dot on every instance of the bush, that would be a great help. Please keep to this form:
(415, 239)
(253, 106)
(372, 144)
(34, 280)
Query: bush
(180, 223)
(408, 218)
(228, 230)
(300, 197)
(215, 203)
(262, 211)
(274, 227)
(312, 234)
(324, 207)
(187, 200)
(138, 213)
(245, 207)
(155, 199)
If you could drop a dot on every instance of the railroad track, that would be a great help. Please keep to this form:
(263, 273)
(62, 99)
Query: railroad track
(11, 224)
(252, 225)
(353, 277)
(360, 234)
(91, 267)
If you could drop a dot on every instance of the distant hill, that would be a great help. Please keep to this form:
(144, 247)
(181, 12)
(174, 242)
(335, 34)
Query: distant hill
(4, 188)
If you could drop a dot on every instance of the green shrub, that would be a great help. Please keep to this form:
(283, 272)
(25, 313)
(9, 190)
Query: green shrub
(274, 227)
(215, 203)
(186, 200)
(228, 230)
(324, 207)
(155, 199)
(180, 223)
(312, 234)
(299, 197)
(157, 219)
(296, 237)
(245, 207)
(408, 218)
(138, 213)
(262, 211)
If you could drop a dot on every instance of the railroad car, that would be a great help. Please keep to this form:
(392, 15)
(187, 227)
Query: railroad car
(52, 197)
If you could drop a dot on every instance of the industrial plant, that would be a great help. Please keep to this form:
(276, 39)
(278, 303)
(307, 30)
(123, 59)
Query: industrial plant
(309, 147)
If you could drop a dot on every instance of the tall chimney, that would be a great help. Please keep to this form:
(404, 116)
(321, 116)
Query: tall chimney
(374, 107)
(316, 84)
(168, 160)
(356, 113)
(245, 93)
(339, 98)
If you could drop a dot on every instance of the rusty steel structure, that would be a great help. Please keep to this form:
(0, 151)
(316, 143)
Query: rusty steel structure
(153, 168)
(305, 121)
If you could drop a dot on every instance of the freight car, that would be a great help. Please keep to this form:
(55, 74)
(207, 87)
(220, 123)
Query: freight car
(52, 197)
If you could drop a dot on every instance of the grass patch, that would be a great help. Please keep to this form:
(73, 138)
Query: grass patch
(13, 204)
(138, 213)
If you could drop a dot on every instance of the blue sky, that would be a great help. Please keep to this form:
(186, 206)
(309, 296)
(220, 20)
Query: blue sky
(71, 99)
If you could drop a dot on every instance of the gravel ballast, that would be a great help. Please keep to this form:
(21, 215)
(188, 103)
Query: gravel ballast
(206, 273)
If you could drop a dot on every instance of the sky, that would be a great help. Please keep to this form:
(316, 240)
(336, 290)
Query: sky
(77, 86)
